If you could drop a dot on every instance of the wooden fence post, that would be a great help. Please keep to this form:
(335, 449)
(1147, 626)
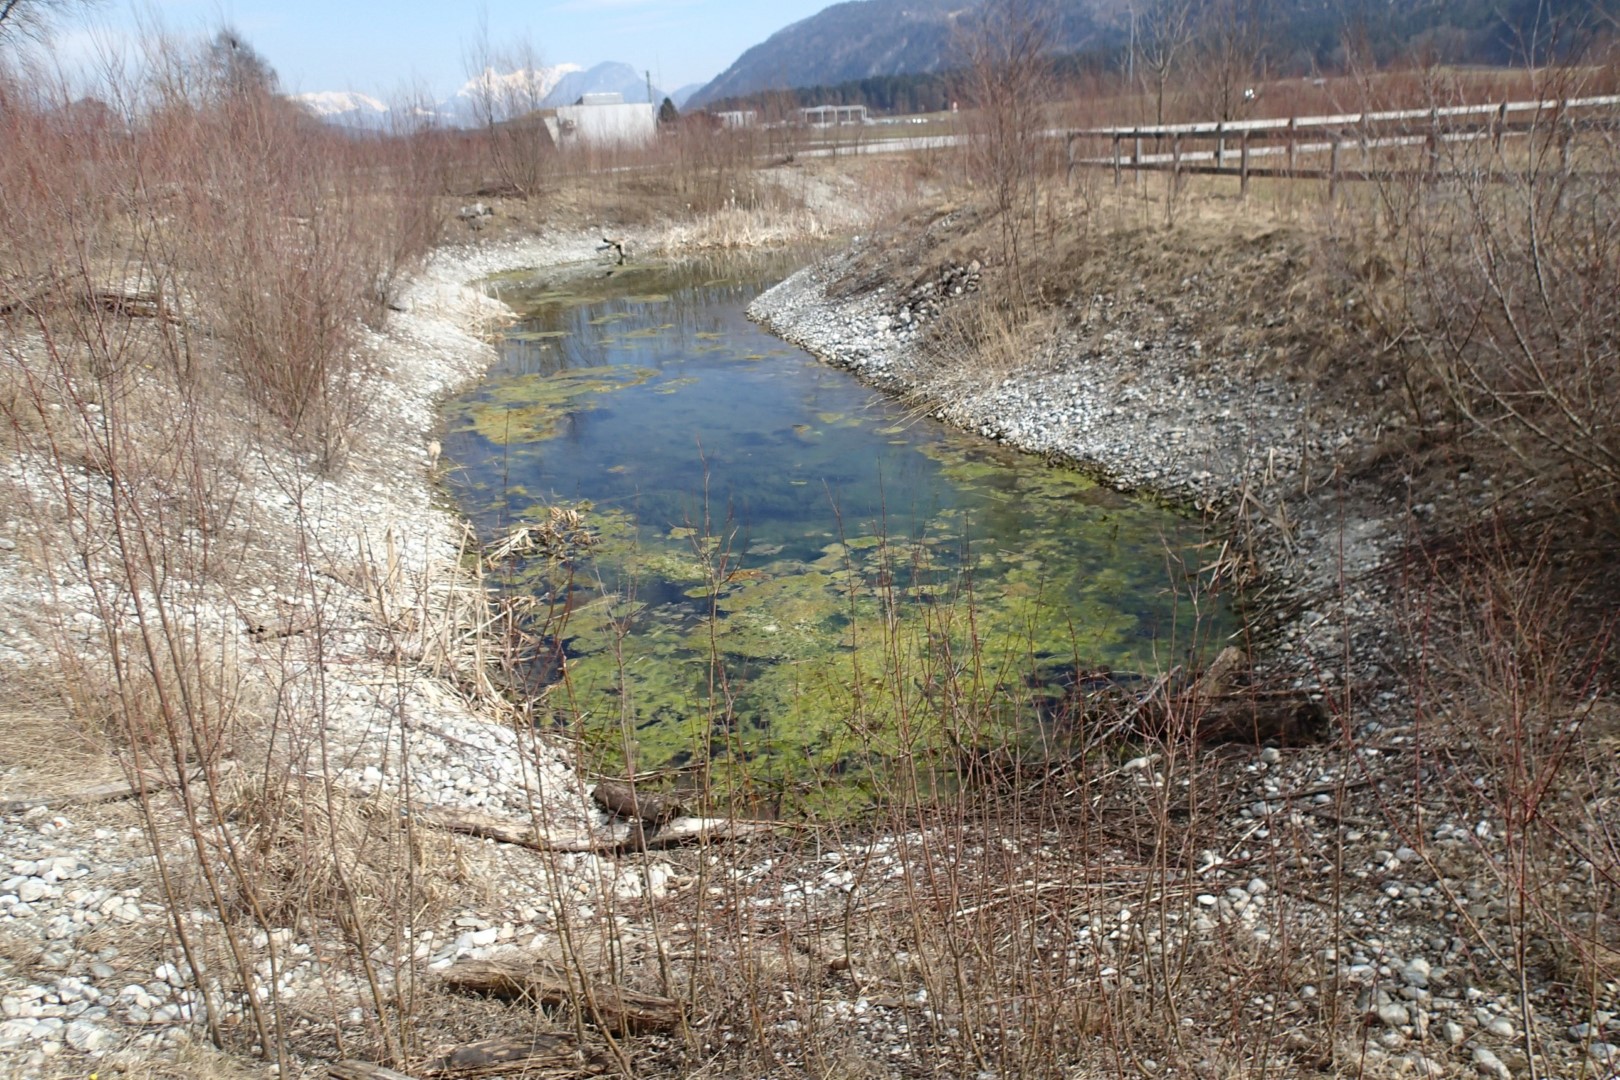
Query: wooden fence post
(1117, 177)
(1243, 166)
(1293, 149)
(1333, 169)
(1175, 163)
(1220, 143)
(1498, 123)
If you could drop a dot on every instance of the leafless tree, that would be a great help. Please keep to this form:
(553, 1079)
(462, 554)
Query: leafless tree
(1162, 35)
(32, 18)
(236, 68)
(1008, 74)
(508, 90)
(1230, 54)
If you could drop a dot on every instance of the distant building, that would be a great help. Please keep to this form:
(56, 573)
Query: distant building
(746, 118)
(834, 115)
(602, 120)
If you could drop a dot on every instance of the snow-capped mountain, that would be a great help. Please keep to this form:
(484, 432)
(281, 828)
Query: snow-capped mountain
(343, 106)
(506, 90)
(509, 93)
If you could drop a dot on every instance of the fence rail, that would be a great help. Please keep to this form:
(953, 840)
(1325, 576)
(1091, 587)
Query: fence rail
(1293, 138)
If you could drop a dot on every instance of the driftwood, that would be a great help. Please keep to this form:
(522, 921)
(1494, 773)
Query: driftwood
(624, 801)
(523, 834)
(362, 1070)
(615, 1008)
(1221, 675)
(538, 1054)
(127, 301)
(87, 796)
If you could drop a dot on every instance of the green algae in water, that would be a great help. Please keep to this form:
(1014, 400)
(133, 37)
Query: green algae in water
(533, 409)
(793, 579)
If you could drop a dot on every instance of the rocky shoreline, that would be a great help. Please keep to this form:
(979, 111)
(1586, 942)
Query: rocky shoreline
(89, 975)
(88, 964)
(1159, 416)
(1271, 465)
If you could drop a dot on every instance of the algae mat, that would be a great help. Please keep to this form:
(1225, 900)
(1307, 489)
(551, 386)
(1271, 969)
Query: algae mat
(788, 574)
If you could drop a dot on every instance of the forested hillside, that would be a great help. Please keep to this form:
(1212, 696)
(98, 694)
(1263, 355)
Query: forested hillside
(901, 56)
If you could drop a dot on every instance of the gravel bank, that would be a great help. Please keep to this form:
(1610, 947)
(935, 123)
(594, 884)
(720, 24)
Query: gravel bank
(1154, 413)
(89, 969)
(1423, 952)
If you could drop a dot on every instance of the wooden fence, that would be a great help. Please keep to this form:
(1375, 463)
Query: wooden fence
(1244, 148)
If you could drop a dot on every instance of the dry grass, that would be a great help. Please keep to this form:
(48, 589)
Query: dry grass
(1036, 914)
(49, 747)
(316, 849)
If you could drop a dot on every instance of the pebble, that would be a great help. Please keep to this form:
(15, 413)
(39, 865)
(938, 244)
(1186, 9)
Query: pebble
(88, 1038)
(1488, 1064)
(1393, 1015)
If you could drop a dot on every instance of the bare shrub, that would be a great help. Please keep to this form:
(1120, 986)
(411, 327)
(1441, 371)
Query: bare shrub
(508, 91)
(1506, 267)
(1008, 76)
(185, 274)
(1518, 715)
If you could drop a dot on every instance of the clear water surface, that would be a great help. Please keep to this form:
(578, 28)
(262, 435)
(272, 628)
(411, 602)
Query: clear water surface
(788, 570)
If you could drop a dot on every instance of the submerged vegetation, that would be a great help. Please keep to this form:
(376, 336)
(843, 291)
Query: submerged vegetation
(858, 586)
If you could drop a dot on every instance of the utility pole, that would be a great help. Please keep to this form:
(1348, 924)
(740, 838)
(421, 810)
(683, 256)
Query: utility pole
(1130, 59)
(650, 100)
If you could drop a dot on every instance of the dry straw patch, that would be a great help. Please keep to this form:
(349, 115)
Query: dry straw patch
(319, 853)
(49, 748)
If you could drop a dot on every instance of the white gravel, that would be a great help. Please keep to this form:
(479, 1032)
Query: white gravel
(79, 921)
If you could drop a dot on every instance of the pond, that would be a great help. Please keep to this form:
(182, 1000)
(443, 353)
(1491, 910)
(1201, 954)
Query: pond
(754, 565)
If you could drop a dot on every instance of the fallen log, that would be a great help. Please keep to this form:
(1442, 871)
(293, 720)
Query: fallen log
(624, 801)
(535, 1055)
(1291, 719)
(615, 1008)
(88, 796)
(128, 301)
(523, 834)
(362, 1070)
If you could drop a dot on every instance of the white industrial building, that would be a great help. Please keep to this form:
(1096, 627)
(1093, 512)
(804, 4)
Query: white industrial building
(834, 115)
(602, 120)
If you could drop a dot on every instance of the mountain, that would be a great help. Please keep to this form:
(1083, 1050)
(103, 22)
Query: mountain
(608, 78)
(862, 40)
(345, 107)
(843, 43)
(508, 91)
(684, 94)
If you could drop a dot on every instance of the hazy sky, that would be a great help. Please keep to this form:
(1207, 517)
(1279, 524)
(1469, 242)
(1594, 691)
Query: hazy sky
(379, 48)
